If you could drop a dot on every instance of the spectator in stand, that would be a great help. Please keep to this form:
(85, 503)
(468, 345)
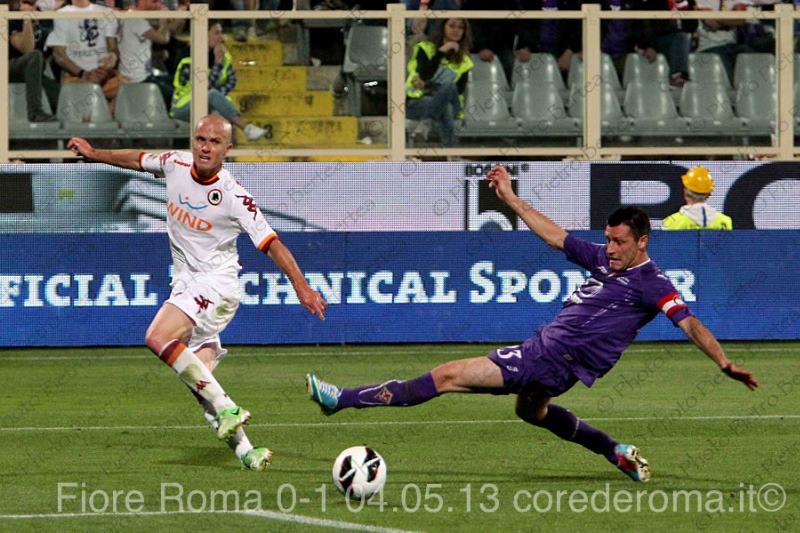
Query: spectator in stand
(49, 5)
(560, 37)
(136, 47)
(437, 78)
(26, 63)
(86, 49)
(496, 38)
(615, 35)
(221, 81)
(672, 38)
(419, 28)
(720, 36)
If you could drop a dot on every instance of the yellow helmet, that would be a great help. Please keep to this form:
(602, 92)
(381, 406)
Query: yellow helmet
(698, 180)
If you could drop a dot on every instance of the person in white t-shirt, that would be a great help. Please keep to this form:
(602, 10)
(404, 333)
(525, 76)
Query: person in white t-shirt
(719, 36)
(86, 49)
(136, 38)
(206, 211)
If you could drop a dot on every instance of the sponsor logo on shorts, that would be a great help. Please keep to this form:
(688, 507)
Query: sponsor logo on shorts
(202, 303)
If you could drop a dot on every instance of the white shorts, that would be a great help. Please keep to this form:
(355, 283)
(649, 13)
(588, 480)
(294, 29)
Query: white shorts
(211, 302)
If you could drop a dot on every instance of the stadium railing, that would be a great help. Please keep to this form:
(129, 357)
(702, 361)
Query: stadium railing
(590, 141)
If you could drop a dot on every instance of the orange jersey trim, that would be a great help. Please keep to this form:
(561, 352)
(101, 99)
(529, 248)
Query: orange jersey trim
(203, 181)
(141, 156)
(264, 245)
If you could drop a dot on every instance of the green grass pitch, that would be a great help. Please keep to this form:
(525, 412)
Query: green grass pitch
(109, 424)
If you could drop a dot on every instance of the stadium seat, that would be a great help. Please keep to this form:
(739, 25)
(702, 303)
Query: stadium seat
(488, 72)
(796, 78)
(758, 107)
(575, 74)
(19, 126)
(640, 70)
(754, 70)
(709, 108)
(707, 69)
(365, 60)
(653, 110)
(613, 120)
(608, 73)
(797, 105)
(540, 110)
(540, 69)
(141, 111)
(486, 112)
(575, 102)
(83, 110)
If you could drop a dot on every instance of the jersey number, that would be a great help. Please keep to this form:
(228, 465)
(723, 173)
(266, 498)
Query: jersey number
(510, 351)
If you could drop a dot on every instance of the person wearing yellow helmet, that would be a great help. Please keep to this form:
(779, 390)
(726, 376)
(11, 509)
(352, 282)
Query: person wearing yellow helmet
(697, 214)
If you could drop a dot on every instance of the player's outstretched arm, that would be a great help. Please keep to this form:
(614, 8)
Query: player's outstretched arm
(547, 230)
(705, 340)
(119, 158)
(311, 299)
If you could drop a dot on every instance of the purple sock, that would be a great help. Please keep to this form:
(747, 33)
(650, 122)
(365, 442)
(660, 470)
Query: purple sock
(395, 393)
(567, 426)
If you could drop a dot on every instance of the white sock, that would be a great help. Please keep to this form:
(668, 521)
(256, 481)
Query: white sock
(211, 419)
(193, 372)
(238, 442)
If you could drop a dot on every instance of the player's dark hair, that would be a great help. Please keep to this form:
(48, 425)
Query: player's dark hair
(634, 218)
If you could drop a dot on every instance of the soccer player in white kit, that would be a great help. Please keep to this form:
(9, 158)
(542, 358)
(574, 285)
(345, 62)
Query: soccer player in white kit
(206, 211)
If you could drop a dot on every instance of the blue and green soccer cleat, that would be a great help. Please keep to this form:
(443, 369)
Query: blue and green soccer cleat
(230, 420)
(631, 462)
(257, 459)
(323, 393)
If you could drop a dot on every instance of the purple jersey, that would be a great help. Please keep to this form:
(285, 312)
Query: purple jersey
(602, 317)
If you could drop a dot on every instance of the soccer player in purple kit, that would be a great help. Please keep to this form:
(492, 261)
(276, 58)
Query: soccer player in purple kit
(625, 291)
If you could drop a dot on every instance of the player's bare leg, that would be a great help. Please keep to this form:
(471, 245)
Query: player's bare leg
(536, 409)
(478, 374)
(165, 337)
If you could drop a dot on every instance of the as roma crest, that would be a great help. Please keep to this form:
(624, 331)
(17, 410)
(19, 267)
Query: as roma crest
(214, 196)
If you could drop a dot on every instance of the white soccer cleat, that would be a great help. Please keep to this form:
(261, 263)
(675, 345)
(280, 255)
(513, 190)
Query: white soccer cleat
(632, 463)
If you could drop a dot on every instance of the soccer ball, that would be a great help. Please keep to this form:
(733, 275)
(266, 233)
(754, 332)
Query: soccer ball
(359, 472)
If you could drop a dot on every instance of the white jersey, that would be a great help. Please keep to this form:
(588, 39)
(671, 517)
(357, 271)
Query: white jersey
(85, 40)
(205, 217)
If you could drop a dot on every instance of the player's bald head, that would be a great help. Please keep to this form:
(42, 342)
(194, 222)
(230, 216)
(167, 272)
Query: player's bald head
(216, 124)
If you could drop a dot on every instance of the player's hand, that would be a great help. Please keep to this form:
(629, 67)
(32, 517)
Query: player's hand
(738, 373)
(500, 181)
(81, 147)
(313, 301)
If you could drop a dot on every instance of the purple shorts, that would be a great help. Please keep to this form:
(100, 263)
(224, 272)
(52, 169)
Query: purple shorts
(526, 368)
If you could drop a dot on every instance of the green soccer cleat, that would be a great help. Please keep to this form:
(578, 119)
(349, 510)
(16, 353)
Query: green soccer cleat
(257, 459)
(631, 462)
(230, 420)
(323, 393)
